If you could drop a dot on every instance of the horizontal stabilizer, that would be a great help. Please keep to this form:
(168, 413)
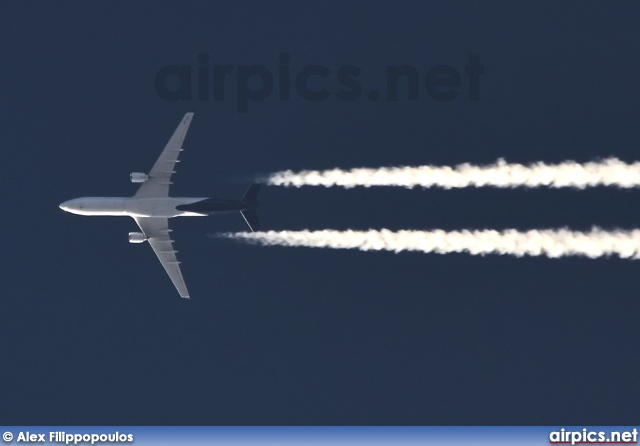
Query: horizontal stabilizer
(251, 195)
(251, 217)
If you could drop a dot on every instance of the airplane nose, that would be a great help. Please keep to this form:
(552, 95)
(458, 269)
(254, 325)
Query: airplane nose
(63, 206)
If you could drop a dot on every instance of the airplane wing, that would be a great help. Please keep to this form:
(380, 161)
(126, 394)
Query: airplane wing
(157, 186)
(157, 232)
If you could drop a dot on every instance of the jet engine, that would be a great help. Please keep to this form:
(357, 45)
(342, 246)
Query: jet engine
(138, 177)
(136, 237)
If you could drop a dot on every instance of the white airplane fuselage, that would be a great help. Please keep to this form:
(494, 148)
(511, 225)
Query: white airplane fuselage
(131, 207)
(152, 207)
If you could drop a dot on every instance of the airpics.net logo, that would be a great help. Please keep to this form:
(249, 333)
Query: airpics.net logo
(588, 436)
(206, 81)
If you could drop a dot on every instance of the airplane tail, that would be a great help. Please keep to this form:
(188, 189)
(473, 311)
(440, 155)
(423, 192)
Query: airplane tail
(250, 215)
(251, 195)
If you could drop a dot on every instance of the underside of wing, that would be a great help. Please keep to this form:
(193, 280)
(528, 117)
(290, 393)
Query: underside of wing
(157, 186)
(156, 230)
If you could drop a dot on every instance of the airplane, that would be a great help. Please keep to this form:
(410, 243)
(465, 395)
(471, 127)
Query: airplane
(151, 206)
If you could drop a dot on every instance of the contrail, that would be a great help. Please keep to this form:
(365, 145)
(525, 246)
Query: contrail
(608, 172)
(549, 242)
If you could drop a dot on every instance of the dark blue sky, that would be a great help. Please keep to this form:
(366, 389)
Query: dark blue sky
(93, 332)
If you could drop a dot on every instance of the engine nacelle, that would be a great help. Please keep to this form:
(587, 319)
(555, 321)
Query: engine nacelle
(138, 177)
(136, 237)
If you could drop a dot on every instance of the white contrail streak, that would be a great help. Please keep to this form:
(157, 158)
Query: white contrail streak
(608, 172)
(551, 243)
